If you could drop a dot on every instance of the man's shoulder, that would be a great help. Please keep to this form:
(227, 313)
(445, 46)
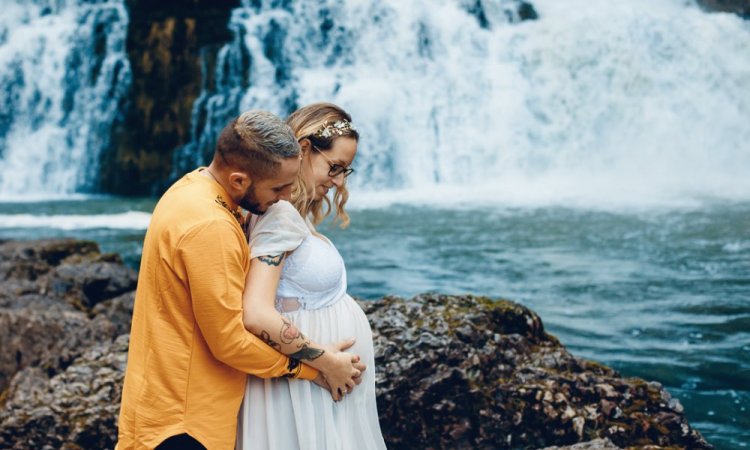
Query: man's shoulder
(193, 209)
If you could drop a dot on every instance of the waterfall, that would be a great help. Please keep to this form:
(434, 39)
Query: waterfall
(63, 72)
(635, 102)
(641, 101)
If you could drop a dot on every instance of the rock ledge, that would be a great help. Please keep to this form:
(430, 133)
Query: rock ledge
(458, 372)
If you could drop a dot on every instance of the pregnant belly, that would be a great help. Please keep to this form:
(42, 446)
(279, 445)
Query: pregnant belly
(329, 325)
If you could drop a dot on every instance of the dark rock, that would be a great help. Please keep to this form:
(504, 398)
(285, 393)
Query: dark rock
(476, 9)
(739, 7)
(22, 263)
(49, 339)
(168, 43)
(85, 284)
(75, 271)
(526, 11)
(46, 293)
(49, 252)
(492, 12)
(596, 444)
(457, 372)
(118, 310)
(32, 300)
(484, 374)
(76, 409)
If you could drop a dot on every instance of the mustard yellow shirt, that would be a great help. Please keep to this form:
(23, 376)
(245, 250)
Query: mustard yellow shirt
(189, 351)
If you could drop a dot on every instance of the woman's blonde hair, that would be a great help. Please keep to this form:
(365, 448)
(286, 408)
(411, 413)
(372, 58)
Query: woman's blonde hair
(312, 122)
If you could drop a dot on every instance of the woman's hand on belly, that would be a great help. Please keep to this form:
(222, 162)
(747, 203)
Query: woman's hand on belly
(342, 371)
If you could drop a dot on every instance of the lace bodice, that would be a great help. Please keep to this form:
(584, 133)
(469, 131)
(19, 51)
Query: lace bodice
(313, 275)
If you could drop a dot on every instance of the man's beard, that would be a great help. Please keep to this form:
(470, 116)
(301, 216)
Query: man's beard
(250, 202)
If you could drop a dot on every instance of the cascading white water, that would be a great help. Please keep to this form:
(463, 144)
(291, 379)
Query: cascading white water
(645, 101)
(638, 102)
(63, 72)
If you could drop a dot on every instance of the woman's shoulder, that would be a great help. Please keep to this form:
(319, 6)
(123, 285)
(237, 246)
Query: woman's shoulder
(283, 207)
(280, 229)
(281, 216)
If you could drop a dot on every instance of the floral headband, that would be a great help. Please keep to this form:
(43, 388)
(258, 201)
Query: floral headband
(339, 128)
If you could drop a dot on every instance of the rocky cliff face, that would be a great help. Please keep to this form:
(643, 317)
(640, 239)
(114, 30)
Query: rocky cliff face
(170, 44)
(456, 372)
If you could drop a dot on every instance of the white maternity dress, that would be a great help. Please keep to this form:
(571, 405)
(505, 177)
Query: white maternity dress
(284, 414)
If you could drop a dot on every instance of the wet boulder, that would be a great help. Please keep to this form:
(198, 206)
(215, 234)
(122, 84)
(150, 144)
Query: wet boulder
(474, 373)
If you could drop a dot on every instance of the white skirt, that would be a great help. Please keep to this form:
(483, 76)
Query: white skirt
(284, 414)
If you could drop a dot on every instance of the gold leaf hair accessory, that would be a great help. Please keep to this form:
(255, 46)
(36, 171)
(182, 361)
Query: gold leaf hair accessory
(338, 128)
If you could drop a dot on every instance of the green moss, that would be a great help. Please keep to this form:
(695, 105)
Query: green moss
(597, 367)
(4, 396)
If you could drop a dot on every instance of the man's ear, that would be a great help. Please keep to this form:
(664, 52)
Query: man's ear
(239, 181)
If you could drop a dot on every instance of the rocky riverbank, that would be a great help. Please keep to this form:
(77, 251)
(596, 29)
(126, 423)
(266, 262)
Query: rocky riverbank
(452, 371)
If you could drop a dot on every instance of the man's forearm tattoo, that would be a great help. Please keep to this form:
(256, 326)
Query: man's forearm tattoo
(308, 353)
(265, 337)
(272, 260)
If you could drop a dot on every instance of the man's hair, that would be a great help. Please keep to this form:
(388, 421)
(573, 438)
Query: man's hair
(255, 143)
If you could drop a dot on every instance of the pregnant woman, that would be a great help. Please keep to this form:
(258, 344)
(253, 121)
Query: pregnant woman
(297, 279)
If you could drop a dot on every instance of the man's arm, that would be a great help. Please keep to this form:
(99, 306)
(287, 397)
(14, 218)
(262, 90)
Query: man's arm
(214, 254)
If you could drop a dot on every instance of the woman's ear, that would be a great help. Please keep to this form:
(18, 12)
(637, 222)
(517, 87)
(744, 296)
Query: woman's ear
(305, 145)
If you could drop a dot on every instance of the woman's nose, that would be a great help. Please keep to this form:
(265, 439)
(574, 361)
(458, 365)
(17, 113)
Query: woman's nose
(286, 194)
(338, 180)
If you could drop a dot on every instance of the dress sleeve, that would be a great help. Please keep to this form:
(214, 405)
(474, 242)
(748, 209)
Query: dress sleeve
(281, 229)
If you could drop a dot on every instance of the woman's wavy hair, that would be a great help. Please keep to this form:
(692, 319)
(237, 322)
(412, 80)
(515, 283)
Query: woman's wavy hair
(306, 123)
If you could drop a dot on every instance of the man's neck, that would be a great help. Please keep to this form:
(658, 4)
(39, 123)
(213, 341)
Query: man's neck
(212, 173)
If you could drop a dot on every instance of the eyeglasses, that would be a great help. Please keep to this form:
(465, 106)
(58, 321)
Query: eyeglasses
(336, 169)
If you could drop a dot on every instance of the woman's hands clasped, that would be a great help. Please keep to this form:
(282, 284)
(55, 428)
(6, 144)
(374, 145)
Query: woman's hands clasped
(342, 370)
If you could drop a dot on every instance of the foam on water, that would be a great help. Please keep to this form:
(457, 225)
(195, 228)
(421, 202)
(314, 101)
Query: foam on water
(736, 246)
(42, 197)
(133, 220)
(597, 193)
